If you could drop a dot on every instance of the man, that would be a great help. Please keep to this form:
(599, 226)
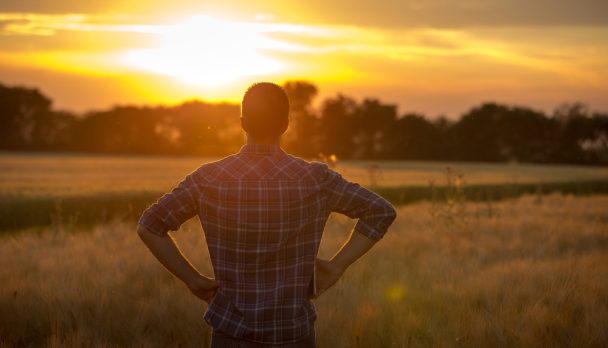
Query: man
(263, 213)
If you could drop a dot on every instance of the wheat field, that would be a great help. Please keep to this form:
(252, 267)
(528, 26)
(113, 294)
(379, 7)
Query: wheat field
(67, 175)
(526, 272)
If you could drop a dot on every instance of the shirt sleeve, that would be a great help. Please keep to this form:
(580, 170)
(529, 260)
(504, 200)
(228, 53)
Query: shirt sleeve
(172, 209)
(375, 213)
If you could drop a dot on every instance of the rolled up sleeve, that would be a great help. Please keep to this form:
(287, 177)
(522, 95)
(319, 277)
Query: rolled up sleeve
(172, 209)
(375, 213)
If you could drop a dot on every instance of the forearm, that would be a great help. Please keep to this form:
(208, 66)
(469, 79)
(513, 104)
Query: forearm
(169, 255)
(356, 246)
(328, 272)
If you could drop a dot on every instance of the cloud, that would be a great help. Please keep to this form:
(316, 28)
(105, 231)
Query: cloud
(32, 24)
(472, 13)
(299, 44)
(385, 14)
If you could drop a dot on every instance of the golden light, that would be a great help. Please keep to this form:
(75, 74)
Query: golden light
(395, 292)
(209, 51)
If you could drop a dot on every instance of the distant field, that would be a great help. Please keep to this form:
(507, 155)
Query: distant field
(529, 272)
(60, 175)
(39, 190)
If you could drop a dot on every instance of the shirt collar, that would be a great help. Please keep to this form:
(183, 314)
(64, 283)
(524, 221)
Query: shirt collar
(261, 149)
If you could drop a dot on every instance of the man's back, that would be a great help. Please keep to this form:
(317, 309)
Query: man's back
(263, 218)
(263, 213)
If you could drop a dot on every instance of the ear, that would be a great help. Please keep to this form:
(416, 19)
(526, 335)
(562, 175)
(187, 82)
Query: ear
(285, 125)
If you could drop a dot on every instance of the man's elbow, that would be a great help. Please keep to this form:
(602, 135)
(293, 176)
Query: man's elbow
(384, 215)
(144, 232)
(390, 213)
(147, 233)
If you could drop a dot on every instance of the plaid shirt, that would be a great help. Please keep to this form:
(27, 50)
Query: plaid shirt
(263, 213)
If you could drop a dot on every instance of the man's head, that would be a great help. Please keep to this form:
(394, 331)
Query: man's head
(265, 111)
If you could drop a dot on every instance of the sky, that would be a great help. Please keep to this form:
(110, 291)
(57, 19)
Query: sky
(434, 57)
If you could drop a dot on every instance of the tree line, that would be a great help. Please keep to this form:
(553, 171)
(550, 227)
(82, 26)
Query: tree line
(340, 125)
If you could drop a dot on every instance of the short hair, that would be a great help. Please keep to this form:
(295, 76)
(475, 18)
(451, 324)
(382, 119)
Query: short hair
(265, 107)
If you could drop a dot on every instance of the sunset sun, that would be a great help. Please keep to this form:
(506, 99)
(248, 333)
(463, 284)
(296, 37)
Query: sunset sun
(208, 51)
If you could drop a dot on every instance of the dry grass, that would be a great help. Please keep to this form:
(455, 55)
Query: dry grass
(525, 272)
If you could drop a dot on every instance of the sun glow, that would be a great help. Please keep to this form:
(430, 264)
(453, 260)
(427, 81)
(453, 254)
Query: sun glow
(209, 51)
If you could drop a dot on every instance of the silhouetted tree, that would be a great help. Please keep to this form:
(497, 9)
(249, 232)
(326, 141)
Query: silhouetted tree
(524, 135)
(53, 131)
(207, 129)
(337, 126)
(596, 143)
(23, 114)
(123, 129)
(302, 136)
(574, 128)
(494, 132)
(415, 138)
(342, 126)
(372, 121)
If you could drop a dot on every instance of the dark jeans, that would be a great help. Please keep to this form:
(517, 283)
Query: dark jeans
(222, 340)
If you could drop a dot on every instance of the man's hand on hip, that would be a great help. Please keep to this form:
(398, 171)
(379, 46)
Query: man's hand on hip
(327, 273)
(203, 288)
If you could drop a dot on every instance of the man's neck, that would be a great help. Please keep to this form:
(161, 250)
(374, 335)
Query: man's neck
(251, 141)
